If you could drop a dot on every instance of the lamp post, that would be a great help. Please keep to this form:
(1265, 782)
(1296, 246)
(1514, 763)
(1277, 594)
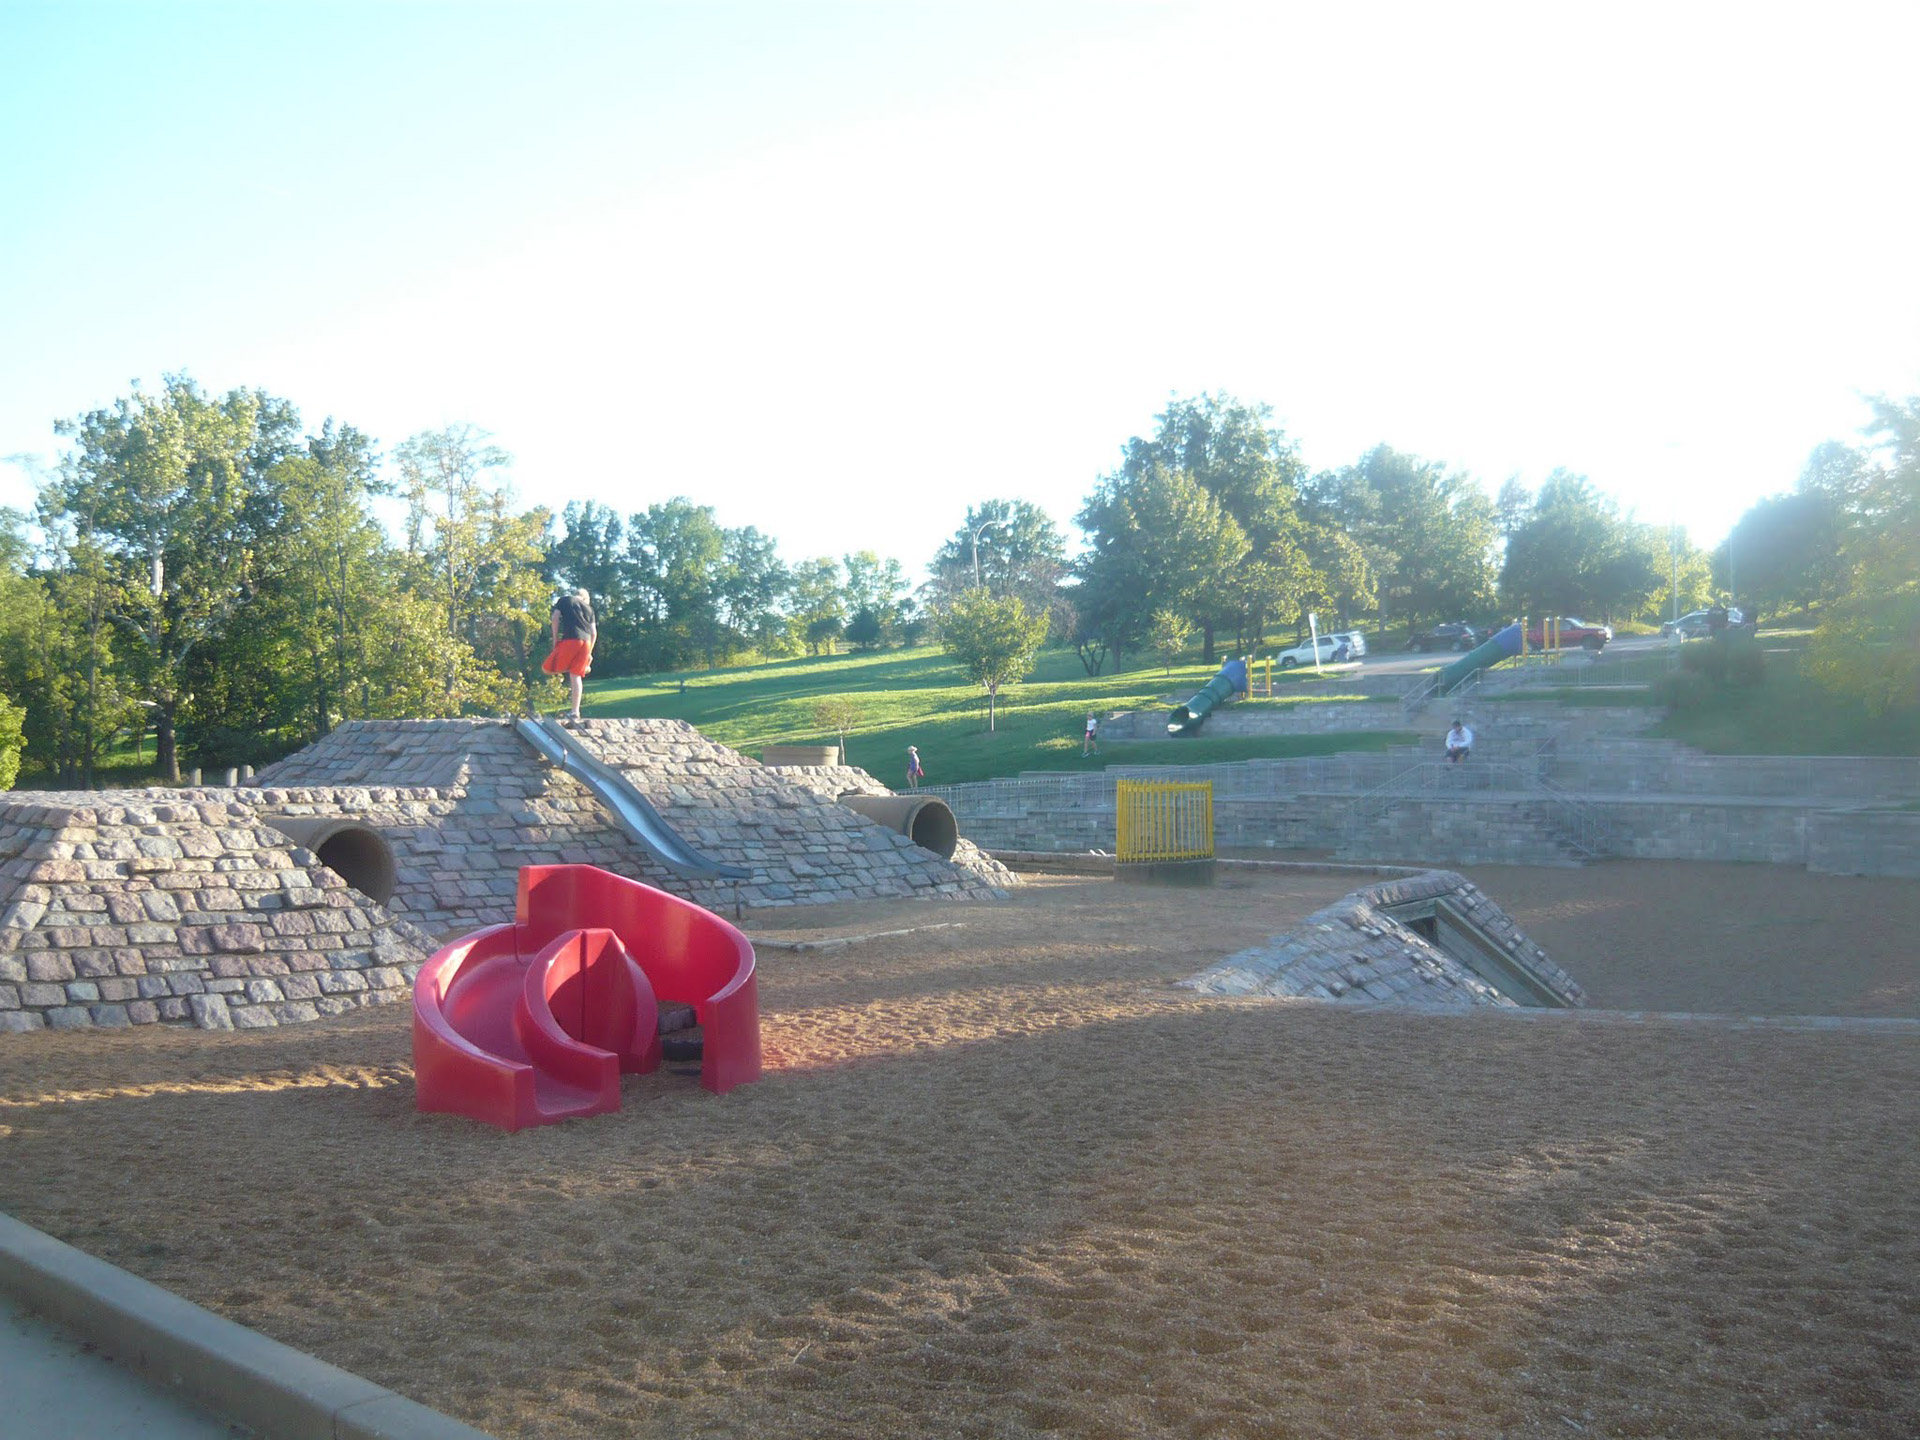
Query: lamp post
(978, 531)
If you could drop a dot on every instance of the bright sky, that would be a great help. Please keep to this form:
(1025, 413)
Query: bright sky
(840, 269)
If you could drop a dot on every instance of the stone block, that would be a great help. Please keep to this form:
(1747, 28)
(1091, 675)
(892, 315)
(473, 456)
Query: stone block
(18, 1022)
(117, 990)
(297, 1012)
(92, 964)
(210, 1012)
(41, 997)
(253, 1017)
(70, 1017)
(110, 1017)
(143, 1012)
(188, 983)
(160, 905)
(236, 938)
(50, 966)
(173, 1010)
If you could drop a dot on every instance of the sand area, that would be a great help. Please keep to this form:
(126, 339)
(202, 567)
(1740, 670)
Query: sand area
(1001, 1180)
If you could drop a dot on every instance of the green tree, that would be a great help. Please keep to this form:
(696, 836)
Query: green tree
(1157, 540)
(1428, 534)
(1021, 553)
(1168, 636)
(1252, 471)
(478, 561)
(12, 739)
(1787, 550)
(994, 640)
(877, 589)
(816, 603)
(162, 492)
(1868, 643)
(1575, 554)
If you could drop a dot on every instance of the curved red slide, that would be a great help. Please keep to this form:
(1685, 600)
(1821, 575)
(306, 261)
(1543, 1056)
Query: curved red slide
(534, 1022)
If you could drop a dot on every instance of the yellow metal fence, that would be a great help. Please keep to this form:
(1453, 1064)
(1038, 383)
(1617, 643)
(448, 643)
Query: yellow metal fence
(1163, 820)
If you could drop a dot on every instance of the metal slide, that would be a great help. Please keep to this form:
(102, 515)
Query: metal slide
(630, 808)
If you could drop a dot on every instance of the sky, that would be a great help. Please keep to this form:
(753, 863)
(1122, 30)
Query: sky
(840, 270)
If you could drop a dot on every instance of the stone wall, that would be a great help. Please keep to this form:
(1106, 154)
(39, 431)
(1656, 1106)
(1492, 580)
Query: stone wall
(1864, 843)
(181, 906)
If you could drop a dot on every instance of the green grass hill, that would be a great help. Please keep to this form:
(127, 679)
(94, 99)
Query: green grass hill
(919, 697)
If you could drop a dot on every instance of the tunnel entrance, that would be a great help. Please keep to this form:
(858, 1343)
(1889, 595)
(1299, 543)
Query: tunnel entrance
(358, 855)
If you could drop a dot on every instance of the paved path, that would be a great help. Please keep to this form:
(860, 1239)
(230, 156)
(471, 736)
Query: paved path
(60, 1388)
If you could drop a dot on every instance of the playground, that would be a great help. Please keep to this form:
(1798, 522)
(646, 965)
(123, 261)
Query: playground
(1000, 1178)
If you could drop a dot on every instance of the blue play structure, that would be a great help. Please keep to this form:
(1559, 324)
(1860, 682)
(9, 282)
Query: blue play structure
(1188, 718)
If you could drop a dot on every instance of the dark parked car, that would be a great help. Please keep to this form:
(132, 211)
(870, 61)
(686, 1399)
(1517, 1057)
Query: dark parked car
(1453, 635)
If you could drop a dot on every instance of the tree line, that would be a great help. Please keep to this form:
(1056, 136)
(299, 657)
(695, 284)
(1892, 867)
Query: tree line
(202, 570)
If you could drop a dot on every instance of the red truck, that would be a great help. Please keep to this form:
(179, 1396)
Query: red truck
(1572, 631)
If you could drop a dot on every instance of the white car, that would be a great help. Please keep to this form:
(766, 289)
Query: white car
(1305, 654)
(1356, 642)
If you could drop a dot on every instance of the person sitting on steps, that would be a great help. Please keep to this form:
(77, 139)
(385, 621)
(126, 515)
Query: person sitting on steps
(1459, 742)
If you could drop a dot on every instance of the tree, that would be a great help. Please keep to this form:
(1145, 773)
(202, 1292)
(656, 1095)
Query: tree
(994, 639)
(838, 713)
(1228, 448)
(1427, 533)
(477, 561)
(165, 489)
(1168, 635)
(1156, 541)
(12, 738)
(878, 587)
(1576, 554)
(816, 603)
(1787, 552)
(1868, 643)
(1021, 553)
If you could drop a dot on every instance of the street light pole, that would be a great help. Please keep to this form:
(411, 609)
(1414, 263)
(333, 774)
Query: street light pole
(978, 531)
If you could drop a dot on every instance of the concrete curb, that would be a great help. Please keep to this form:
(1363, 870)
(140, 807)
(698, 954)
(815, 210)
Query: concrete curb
(238, 1373)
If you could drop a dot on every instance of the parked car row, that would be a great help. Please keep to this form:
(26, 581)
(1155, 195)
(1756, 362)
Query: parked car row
(1698, 622)
(1570, 631)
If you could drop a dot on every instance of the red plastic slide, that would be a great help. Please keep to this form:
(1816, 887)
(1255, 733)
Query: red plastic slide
(534, 1022)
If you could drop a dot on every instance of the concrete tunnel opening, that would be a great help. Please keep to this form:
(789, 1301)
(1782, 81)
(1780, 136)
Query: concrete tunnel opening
(358, 855)
(925, 821)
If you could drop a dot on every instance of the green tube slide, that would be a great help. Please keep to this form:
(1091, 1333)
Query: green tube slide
(1188, 718)
(1504, 645)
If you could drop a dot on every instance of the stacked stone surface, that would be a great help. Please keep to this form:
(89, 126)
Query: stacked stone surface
(491, 805)
(183, 907)
(1356, 951)
(190, 907)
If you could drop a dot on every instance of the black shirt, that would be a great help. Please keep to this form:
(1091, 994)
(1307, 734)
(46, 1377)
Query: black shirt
(576, 617)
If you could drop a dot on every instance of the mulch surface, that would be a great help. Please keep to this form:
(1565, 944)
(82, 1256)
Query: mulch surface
(1001, 1180)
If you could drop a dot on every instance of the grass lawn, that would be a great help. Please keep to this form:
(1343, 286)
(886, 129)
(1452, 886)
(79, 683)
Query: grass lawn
(918, 697)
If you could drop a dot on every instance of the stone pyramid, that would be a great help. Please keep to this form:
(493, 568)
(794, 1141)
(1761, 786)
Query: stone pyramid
(181, 906)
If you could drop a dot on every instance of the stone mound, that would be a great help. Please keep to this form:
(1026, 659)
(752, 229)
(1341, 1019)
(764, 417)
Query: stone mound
(181, 906)
(1432, 940)
(465, 803)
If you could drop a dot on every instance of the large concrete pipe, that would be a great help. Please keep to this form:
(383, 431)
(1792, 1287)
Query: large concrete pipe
(921, 818)
(358, 855)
